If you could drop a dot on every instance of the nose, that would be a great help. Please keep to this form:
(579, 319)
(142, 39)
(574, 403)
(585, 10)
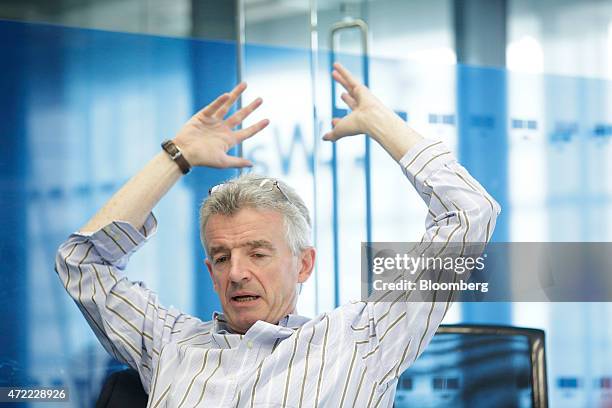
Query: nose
(239, 270)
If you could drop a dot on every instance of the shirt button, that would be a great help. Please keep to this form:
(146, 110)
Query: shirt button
(250, 344)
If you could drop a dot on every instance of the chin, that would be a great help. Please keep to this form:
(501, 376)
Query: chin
(247, 318)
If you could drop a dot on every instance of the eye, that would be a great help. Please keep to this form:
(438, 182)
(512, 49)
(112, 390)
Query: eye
(258, 255)
(220, 259)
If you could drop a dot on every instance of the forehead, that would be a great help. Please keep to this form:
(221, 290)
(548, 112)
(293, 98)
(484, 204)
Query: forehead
(248, 224)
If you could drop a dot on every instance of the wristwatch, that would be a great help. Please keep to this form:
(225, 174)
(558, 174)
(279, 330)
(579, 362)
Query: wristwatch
(176, 155)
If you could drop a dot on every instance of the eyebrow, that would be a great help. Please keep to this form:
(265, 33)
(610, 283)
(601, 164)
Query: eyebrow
(258, 243)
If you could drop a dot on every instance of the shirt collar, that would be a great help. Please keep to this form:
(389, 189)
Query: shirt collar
(291, 321)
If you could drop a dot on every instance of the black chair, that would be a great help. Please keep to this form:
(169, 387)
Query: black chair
(478, 366)
(122, 389)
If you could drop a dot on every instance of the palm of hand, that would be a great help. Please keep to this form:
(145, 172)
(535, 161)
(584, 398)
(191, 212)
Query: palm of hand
(209, 139)
(362, 102)
(356, 121)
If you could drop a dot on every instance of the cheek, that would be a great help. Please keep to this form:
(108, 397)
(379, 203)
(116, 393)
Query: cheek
(220, 284)
(273, 284)
(284, 281)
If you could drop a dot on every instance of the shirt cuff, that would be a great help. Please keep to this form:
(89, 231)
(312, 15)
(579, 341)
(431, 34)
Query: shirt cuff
(118, 240)
(423, 160)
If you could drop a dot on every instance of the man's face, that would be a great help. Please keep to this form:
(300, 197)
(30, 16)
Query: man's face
(252, 267)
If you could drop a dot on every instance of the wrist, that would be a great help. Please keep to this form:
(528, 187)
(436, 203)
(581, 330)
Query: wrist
(382, 122)
(176, 154)
(392, 133)
(185, 150)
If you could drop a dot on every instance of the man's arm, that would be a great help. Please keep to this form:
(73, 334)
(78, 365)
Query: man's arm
(391, 334)
(126, 316)
(204, 141)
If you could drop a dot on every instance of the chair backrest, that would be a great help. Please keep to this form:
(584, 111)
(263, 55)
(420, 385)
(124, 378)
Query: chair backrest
(122, 389)
(478, 365)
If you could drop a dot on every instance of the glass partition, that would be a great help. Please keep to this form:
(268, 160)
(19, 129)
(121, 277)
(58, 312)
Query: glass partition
(82, 111)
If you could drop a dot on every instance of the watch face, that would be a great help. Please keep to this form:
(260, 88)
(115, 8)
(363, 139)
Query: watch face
(170, 147)
(176, 155)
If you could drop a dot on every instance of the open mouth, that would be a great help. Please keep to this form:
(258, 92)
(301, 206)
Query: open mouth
(245, 298)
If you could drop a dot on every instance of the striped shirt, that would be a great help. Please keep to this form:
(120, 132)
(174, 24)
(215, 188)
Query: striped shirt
(349, 357)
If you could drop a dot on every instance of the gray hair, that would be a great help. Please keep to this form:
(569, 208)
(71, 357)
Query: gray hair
(251, 191)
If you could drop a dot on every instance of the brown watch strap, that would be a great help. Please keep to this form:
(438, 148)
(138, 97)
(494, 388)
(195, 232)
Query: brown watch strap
(176, 155)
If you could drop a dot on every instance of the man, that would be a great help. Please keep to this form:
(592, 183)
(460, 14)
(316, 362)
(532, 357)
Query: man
(256, 232)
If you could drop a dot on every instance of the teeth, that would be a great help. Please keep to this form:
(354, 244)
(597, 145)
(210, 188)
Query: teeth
(245, 298)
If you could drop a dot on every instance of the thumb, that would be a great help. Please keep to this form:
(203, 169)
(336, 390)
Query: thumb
(341, 128)
(233, 161)
(332, 135)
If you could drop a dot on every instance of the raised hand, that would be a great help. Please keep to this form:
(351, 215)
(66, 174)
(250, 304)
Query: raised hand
(369, 115)
(207, 137)
(364, 106)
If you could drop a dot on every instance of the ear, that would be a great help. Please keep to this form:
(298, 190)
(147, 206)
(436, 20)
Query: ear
(210, 272)
(306, 262)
